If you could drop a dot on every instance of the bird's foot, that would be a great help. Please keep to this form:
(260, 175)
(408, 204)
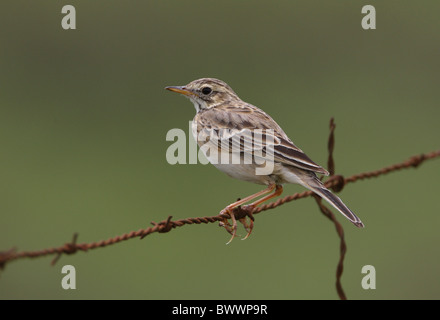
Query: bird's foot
(241, 214)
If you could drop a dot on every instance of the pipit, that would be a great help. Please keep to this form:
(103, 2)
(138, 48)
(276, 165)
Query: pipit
(228, 125)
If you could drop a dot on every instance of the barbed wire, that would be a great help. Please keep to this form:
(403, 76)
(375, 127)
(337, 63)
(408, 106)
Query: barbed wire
(335, 182)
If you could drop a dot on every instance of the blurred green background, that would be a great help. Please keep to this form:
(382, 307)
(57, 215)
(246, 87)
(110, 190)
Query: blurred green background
(83, 120)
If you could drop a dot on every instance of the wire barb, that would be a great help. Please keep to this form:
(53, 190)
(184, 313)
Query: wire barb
(68, 248)
(5, 256)
(162, 227)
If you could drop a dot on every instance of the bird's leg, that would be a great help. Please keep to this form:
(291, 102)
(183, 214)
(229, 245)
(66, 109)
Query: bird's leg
(229, 210)
(278, 191)
(250, 207)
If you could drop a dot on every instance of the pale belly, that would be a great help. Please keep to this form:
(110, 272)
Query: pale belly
(245, 172)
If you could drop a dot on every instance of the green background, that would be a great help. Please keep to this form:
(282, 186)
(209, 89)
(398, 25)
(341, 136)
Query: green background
(83, 120)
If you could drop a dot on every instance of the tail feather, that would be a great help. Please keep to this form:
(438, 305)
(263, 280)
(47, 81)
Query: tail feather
(337, 203)
(309, 180)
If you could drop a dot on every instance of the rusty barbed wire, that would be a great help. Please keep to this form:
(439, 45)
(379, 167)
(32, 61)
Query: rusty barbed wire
(329, 214)
(335, 182)
(331, 147)
(342, 246)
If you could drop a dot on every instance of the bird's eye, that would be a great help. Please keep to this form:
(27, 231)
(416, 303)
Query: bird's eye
(206, 90)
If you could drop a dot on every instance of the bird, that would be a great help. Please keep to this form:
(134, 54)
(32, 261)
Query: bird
(226, 127)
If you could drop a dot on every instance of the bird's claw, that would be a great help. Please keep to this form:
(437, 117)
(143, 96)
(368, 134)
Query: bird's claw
(248, 227)
(231, 228)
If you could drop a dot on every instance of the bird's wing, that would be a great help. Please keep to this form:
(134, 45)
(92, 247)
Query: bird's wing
(250, 130)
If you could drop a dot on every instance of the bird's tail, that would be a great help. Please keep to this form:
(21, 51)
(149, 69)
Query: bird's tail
(317, 187)
(337, 203)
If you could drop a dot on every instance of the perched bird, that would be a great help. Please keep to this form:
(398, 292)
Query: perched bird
(224, 123)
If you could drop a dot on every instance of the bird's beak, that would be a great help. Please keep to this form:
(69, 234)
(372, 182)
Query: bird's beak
(181, 90)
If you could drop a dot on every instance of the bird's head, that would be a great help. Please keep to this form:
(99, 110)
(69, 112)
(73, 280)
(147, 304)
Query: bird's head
(206, 93)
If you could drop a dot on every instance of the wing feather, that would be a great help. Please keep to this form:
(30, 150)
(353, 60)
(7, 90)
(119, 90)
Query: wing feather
(254, 133)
